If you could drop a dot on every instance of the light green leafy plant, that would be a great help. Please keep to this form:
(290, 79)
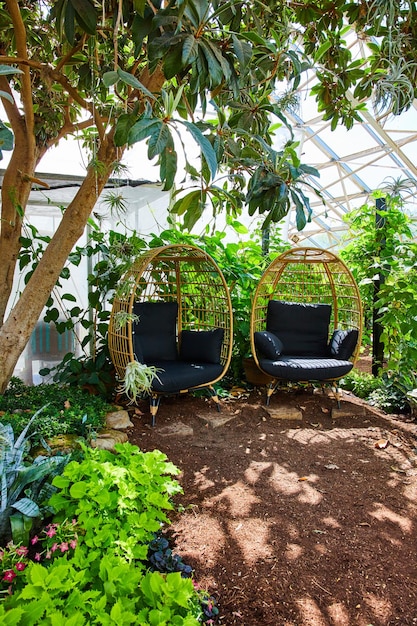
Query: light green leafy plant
(119, 501)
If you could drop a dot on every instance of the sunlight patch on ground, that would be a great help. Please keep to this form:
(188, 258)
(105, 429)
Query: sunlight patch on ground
(338, 614)
(331, 522)
(252, 537)
(284, 482)
(190, 527)
(383, 514)
(293, 551)
(201, 481)
(381, 608)
(240, 499)
(310, 614)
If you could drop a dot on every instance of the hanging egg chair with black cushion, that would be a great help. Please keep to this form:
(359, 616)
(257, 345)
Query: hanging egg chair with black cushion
(306, 319)
(178, 320)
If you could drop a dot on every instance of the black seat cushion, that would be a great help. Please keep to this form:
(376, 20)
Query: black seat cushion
(201, 346)
(176, 376)
(302, 328)
(343, 343)
(155, 334)
(297, 369)
(268, 345)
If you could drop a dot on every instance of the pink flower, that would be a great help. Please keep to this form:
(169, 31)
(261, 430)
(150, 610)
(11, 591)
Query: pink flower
(64, 546)
(51, 531)
(74, 521)
(37, 556)
(54, 547)
(73, 544)
(20, 566)
(34, 540)
(22, 551)
(9, 575)
(48, 554)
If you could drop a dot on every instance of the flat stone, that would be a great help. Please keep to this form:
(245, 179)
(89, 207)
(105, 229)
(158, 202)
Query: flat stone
(284, 413)
(215, 420)
(179, 429)
(350, 410)
(107, 439)
(118, 419)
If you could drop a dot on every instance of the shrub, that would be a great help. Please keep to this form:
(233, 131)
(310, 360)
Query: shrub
(360, 383)
(67, 410)
(119, 502)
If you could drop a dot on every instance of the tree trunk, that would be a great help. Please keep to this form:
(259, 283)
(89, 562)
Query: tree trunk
(14, 197)
(16, 330)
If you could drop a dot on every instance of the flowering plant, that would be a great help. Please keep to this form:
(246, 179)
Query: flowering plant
(13, 561)
(54, 540)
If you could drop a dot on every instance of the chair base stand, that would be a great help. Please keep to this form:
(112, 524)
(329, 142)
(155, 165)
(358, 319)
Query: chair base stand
(336, 391)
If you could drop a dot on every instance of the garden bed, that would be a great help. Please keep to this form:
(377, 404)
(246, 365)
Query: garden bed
(304, 521)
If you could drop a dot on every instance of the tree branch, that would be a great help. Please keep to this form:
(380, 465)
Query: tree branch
(21, 47)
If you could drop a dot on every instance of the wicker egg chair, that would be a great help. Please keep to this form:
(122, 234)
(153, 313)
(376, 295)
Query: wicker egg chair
(182, 321)
(306, 319)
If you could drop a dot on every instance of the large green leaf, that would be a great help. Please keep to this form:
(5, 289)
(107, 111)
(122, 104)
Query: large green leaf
(189, 50)
(168, 164)
(131, 80)
(158, 139)
(205, 146)
(242, 50)
(142, 129)
(7, 69)
(27, 507)
(86, 15)
(6, 138)
(21, 525)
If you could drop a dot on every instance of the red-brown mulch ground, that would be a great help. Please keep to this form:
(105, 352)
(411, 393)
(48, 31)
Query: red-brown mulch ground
(294, 522)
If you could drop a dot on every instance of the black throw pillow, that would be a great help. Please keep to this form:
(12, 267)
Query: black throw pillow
(343, 343)
(201, 346)
(268, 345)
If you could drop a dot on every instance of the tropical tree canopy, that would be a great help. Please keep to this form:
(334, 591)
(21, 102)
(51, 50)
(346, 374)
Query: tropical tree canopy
(116, 73)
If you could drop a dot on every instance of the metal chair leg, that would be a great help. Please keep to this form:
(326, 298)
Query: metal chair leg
(270, 390)
(215, 397)
(154, 406)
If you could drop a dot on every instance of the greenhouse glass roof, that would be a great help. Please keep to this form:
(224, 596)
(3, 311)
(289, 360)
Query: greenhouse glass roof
(382, 148)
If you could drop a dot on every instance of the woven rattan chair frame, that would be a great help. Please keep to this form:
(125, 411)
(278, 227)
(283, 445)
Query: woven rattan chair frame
(174, 273)
(309, 275)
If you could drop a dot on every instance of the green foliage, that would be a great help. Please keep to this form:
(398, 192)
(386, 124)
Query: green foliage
(25, 487)
(119, 500)
(361, 384)
(67, 410)
(112, 253)
(388, 254)
(117, 593)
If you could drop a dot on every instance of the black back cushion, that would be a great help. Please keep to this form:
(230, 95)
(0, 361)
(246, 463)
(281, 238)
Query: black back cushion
(302, 328)
(155, 334)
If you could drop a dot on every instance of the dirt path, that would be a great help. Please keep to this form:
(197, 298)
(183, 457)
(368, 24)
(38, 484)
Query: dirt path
(308, 521)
